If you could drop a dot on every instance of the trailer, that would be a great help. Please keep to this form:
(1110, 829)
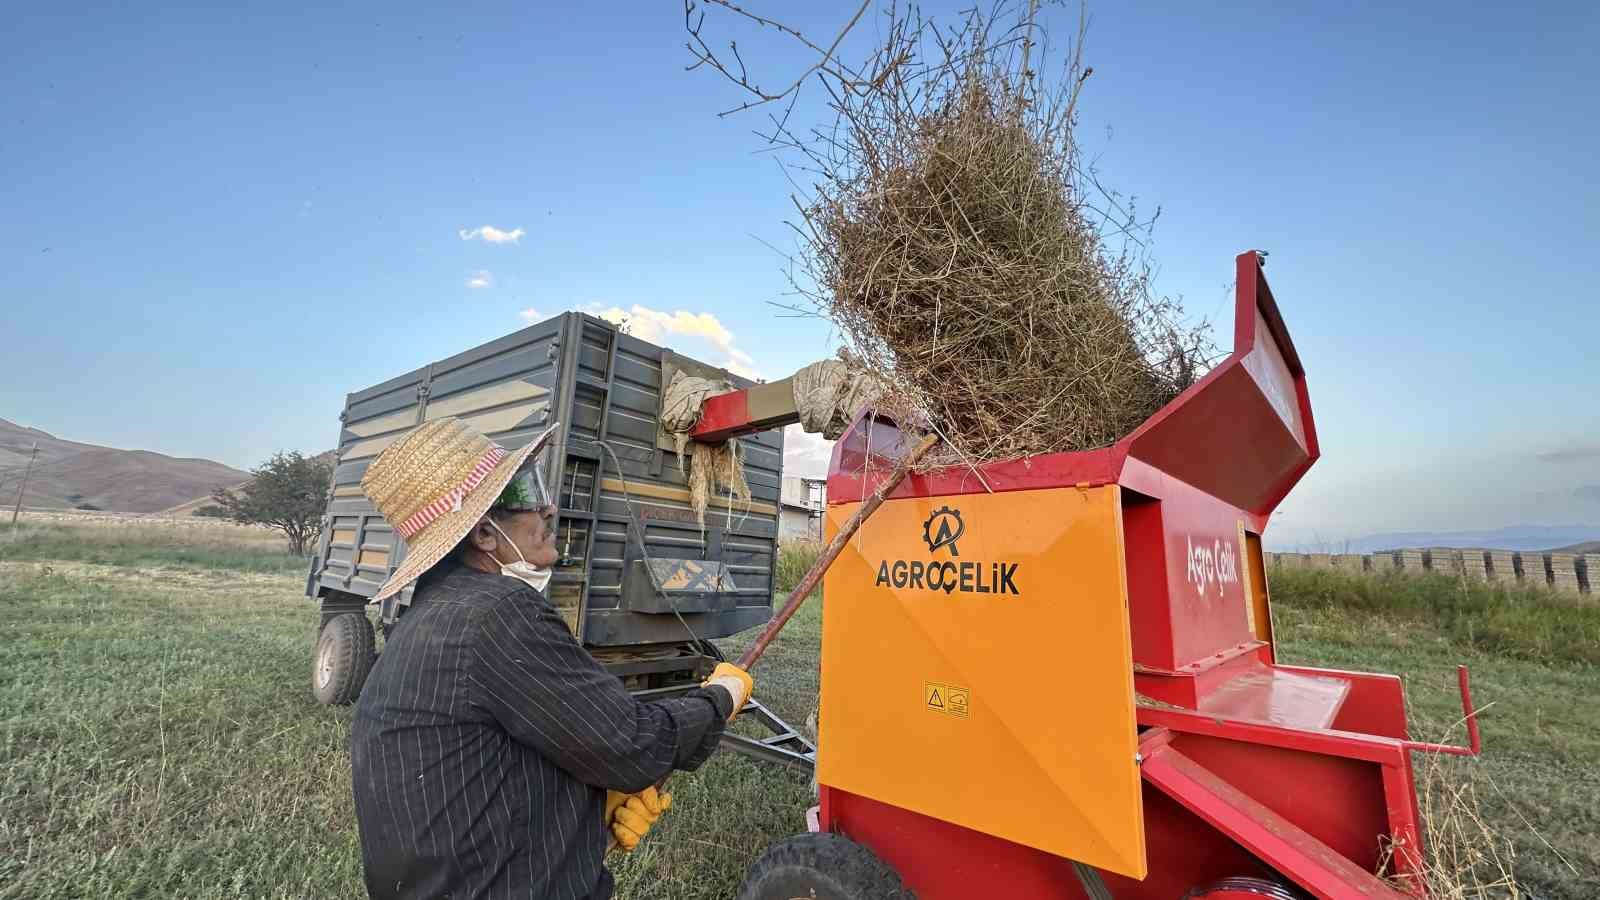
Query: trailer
(642, 583)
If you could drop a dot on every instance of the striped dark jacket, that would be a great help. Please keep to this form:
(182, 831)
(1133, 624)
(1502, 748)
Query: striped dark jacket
(484, 742)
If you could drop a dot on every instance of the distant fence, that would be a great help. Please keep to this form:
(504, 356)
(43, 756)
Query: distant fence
(1571, 572)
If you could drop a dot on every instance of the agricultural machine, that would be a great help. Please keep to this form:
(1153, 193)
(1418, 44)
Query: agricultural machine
(1055, 677)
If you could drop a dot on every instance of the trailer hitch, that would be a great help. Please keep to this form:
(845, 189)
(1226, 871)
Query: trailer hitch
(1469, 715)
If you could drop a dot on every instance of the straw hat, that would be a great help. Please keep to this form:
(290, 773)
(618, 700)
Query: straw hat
(434, 484)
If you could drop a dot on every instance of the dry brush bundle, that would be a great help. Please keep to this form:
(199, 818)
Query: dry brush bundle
(973, 264)
(708, 468)
(1464, 856)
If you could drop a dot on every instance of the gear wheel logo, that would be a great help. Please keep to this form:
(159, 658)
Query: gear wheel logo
(943, 528)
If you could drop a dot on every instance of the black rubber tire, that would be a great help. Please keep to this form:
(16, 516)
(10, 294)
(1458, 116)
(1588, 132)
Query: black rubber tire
(821, 867)
(342, 658)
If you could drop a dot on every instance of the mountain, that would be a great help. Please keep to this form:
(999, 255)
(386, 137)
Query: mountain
(70, 474)
(1513, 537)
(1585, 547)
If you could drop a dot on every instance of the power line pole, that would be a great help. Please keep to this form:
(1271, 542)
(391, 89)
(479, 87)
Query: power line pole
(17, 510)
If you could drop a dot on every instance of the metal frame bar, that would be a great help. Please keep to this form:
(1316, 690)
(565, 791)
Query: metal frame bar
(786, 746)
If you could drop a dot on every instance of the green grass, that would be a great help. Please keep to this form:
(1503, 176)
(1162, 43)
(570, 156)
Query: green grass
(162, 742)
(158, 737)
(1538, 625)
(795, 558)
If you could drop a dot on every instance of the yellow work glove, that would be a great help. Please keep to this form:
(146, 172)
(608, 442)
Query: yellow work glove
(631, 815)
(736, 681)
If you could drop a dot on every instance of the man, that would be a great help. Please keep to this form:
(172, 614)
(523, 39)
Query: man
(486, 739)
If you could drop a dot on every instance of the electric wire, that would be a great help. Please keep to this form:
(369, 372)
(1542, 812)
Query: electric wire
(706, 648)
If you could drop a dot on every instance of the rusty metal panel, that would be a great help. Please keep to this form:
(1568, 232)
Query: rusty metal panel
(682, 585)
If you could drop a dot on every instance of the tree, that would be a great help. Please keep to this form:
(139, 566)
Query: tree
(289, 492)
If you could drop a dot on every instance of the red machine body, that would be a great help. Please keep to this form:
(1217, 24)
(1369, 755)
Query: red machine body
(1250, 768)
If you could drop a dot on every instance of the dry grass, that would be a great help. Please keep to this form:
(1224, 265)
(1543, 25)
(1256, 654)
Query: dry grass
(972, 262)
(140, 541)
(165, 530)
(1465, 856)
(795, 559)
(717, 469)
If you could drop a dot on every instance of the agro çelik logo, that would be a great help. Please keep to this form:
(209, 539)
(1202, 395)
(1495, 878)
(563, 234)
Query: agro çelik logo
(941, 530)
(950, 529)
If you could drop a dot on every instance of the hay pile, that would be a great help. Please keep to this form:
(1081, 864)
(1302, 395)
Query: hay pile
(968, 258)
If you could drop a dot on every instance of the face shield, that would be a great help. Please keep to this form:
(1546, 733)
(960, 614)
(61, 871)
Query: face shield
(526, 492)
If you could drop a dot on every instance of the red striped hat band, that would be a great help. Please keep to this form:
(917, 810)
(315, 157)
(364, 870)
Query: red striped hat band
(451, 500)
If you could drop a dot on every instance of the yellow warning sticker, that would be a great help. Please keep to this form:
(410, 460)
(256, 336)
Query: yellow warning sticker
(950, 699)
(956, 700)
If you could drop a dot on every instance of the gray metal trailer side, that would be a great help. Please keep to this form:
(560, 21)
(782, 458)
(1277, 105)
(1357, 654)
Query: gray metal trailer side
(625, 525)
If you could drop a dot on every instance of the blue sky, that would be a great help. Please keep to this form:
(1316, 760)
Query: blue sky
(215, 223)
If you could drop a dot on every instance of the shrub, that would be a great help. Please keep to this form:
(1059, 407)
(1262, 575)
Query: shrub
(795, 558)
(1516, 621)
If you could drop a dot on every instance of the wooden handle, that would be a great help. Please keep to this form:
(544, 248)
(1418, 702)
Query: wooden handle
(814, 576)
(829, 554)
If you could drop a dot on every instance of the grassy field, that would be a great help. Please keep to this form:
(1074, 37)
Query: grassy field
(158, 736)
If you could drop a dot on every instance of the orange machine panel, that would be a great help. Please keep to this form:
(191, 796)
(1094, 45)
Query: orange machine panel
(976, 668)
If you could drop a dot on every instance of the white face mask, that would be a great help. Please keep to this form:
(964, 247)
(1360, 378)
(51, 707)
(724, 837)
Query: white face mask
(522, 570)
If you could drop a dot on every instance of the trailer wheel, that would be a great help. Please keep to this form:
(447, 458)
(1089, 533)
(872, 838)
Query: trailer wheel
(821, 867)
(342, 659)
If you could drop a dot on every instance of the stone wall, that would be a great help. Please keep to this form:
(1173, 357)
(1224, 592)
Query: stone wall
(1503, 565)
(1475, 564)
(1444, 560)
(1531, 570)
(1564, 571)
(1568, 572)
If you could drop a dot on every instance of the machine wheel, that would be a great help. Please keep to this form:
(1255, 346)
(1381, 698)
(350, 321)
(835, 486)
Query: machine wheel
(821, 867)
(1242, 888)
(342, 659)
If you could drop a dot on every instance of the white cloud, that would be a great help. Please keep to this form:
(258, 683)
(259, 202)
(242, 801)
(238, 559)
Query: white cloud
(480, 279)
(805, 455)
(531, 315)
(492, 235)
(657, 327)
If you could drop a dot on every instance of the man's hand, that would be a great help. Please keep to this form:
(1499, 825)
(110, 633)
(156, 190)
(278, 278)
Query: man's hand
(736, 681)
(631, 815)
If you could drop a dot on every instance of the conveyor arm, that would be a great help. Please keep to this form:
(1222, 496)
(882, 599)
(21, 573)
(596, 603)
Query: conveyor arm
(747, 411)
